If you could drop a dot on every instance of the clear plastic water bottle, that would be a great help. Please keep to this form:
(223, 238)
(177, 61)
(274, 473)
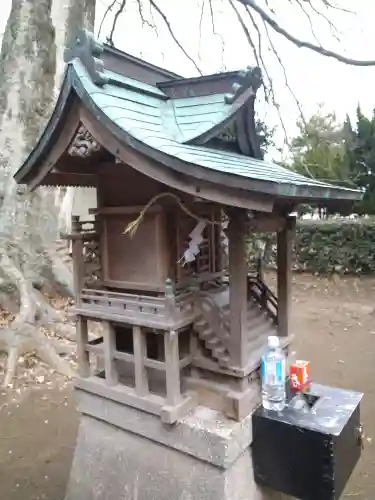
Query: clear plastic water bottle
(273, 376)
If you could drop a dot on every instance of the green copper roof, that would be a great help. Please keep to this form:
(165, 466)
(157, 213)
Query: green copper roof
(170, 131)
(149, 108)
(166, 124)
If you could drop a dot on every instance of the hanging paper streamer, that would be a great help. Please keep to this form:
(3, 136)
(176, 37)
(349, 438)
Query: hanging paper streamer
(196, 239)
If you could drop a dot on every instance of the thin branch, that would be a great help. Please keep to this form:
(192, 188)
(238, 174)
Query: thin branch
(333, 6)
(117, 15)
(333, 29)
(215, 33)
(274, 50)
(169, 27)
(309, 19)
(246, 32)
(200, 28)
(151, 24)
(267, 91)
(271, 9)
(256, 27)
(108, 10)
(260, 55)
(143, 19)
(301, 43)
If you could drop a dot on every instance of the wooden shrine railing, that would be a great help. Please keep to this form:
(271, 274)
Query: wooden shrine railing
(216, 317)
(170, 403)
(263, 295)
(165, 311)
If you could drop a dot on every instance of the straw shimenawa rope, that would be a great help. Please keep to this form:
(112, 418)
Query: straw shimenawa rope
(132, 227)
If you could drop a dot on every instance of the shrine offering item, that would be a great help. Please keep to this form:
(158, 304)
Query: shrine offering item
(273, 376)
(309, 455)
(299, 373)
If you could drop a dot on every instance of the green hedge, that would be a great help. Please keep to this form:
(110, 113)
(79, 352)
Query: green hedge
(326, 247)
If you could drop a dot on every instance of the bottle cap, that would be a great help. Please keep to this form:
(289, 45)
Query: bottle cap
(273, 341)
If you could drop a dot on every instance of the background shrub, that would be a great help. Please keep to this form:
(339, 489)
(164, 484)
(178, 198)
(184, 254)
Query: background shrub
(325, 247)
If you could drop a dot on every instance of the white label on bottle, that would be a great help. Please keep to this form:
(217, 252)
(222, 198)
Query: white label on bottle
(274, 372)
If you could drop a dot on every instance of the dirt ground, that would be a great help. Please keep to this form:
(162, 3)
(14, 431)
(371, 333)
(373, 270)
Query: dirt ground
(334, 324)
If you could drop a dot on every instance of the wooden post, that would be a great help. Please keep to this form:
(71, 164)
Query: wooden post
(238, 288)
(194, 290)
(140, 353)
(111, 375)
(170, 301)
(77, 257)
(284, 277)
(82, 353)
(172, 368)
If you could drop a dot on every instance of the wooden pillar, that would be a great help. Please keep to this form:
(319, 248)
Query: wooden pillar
(82, 352)
(170, 301)
(194, 340)
(140, 353)
(172, 368)
(77, 257)
(111, 375)
(238, 287)
(284, 276)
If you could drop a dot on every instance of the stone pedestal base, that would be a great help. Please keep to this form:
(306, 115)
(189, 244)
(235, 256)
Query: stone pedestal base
(126, 454)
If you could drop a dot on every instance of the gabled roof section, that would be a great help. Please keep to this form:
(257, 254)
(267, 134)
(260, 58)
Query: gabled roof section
(127, 65)
(173, 132)
(196, 109)
(205, 106)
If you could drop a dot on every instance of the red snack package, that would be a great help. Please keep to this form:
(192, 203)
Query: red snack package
(300, 375)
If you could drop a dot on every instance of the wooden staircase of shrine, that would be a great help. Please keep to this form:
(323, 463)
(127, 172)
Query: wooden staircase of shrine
(213, 327)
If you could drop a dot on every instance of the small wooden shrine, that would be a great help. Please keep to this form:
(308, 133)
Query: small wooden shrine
(181, 183)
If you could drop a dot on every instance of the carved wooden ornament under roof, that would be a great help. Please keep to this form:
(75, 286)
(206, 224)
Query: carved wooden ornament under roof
(83, 145)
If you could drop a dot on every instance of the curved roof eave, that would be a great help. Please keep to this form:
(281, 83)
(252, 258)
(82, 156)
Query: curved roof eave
(72, 84)
(323, 192)
(52, 129)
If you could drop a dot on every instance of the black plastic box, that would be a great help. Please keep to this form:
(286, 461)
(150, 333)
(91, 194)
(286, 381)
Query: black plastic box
(309, 455)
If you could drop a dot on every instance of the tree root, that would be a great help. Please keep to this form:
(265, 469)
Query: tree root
(46, 349)
(11, 366)
(25, 333)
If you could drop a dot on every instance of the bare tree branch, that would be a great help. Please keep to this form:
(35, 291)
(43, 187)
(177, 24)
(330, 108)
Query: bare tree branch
(171, 32)
(246, 32)
(308, 19)
(117, 15)
(213, 28)
(256, 27)
(145, 22)
(274, 50)
(268, 89)
(333, 6)
(301, 43)
(143, 19)
(333, 29)
(200, 28)
(108, 10)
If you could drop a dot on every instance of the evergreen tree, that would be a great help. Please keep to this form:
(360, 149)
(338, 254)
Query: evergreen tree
(319, 149)
(360, 154)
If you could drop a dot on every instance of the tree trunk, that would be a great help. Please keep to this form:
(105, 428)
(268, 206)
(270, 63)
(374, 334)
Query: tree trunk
(31, 69)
